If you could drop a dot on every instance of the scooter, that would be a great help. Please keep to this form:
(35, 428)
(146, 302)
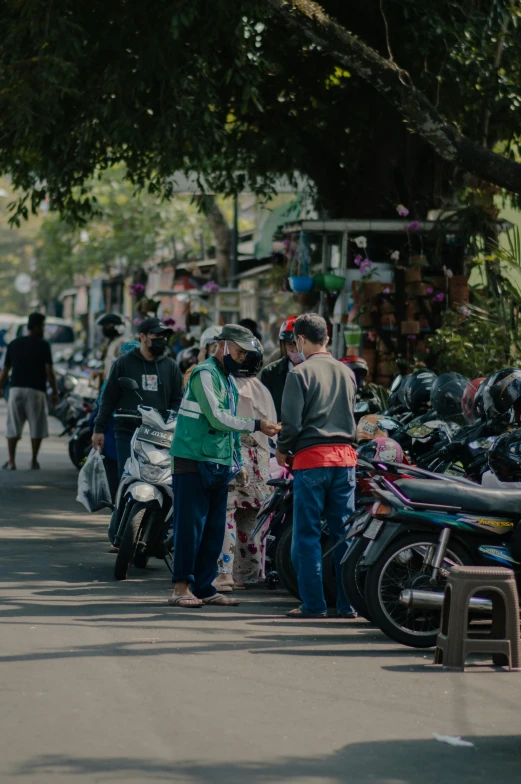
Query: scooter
(144, 502)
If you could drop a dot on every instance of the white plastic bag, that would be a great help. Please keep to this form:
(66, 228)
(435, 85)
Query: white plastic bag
(93, 486)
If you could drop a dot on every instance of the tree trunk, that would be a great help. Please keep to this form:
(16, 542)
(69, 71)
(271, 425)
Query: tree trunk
(222, 235)
(397, 87)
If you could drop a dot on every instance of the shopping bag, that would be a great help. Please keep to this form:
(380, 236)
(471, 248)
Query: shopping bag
(93, 486)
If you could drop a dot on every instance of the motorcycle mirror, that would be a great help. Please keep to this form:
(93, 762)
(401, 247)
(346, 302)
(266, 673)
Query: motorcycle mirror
(396, 383)
(128, 383)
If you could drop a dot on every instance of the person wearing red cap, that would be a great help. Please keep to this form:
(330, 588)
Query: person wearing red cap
(274, 375)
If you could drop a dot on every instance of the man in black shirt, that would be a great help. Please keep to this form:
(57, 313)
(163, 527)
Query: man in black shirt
(30, 361)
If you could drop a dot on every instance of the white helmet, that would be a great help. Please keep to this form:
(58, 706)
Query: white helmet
(210, 335)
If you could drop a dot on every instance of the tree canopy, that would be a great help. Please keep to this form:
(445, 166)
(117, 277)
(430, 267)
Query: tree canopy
(244, 90)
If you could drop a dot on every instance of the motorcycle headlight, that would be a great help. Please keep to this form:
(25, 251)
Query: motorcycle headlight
(140, 450)
(151, 473)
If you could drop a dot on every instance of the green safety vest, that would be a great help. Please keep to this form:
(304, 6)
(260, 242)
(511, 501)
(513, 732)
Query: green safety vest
(199, 435)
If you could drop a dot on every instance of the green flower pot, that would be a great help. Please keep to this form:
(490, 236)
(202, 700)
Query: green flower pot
(328, 281)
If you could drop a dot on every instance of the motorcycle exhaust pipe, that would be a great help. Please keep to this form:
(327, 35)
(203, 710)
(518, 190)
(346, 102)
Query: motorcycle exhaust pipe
(428, 600)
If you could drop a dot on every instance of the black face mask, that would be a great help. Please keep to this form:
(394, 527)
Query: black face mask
(110, 332)
(231, 365)
(158, 346)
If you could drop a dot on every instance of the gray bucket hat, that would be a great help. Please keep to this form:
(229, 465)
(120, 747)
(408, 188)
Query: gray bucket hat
(240, 335)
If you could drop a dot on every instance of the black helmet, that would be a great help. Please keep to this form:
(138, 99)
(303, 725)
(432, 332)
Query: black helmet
(359, 367)
(252, 362)
(447, 393)
(186, 358)
(110, 318)
(479, 408)
(504, 457)
(418, 390)
(501, 392)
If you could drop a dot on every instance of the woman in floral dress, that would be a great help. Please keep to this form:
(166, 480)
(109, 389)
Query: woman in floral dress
(240, 562)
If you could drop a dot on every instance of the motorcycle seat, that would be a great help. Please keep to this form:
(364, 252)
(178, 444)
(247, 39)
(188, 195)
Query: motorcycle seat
(470, 499)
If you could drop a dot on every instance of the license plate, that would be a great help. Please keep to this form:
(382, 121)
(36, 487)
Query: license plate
(373, 529)
(152, 436)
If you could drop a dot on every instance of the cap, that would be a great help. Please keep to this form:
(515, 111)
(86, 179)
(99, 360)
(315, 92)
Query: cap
(154, 326)
(240, 335)
(109, 318)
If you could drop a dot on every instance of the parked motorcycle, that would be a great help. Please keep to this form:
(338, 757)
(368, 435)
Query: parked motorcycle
(418, 530)
(144, 501)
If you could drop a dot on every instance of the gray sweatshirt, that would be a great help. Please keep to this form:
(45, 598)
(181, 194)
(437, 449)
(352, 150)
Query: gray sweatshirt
(317, 405)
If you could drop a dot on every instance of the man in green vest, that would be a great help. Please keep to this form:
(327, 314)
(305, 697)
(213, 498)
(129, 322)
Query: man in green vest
(206, 453)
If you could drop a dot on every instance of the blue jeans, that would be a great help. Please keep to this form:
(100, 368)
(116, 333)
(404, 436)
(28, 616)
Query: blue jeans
(318, 491)
(199, 525)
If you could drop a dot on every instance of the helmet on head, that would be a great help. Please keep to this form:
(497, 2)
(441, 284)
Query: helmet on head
(385, 449)
(286, 329)
(468, 400)
(186, 358)
(252, 363)
(502, 392)
(113, 320)
(209, 335)
(359, 367)
(368, 428)
(447, 393)
(504, 457)
(417, 393)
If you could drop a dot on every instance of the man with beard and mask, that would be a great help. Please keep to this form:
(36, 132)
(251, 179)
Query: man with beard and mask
(206, 453)
(274, 375)
(113, 328)
(160, 386)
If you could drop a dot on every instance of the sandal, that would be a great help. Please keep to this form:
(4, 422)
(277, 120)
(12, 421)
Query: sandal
(298, 612)
(185, 601)
(8, 466)
(221, 601)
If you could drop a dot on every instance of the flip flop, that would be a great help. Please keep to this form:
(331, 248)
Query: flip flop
(221, 601)
(8, 467)
(185, 601)
(35, 466)
(299, 613)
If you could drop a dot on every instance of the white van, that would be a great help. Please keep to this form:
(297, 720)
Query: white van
(59, 332)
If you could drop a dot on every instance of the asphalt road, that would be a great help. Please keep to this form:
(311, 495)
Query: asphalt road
(104, 682)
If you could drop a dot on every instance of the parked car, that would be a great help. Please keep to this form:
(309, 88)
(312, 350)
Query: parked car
(59, 332)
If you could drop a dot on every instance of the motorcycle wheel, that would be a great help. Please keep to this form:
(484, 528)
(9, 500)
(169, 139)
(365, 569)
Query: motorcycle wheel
(400, 566)
(286, 571)
(353, 578)
(129, 543)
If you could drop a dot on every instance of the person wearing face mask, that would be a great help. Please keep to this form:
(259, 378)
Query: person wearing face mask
(274, 375)
(206, 457)
(318, 427)
(113, 328)
(160, 386)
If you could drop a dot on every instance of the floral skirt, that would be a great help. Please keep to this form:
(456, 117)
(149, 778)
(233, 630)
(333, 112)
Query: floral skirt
(240, 557)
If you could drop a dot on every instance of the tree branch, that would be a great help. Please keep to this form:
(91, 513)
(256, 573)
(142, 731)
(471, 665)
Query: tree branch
(397, 87)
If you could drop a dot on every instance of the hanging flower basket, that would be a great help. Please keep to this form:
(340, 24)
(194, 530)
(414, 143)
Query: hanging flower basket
(327, 281)
(300, 283)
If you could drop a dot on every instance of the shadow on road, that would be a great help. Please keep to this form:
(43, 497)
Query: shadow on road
(391, 762)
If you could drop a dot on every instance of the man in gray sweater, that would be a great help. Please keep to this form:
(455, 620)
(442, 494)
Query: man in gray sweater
(318, 427)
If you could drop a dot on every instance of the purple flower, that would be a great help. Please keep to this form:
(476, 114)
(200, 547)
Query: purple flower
(137, 322)
(169, 322)
(387, 290)
(414, 226)
(402, 211)
(465, 311)
(136, 288)
(365, 266)
(411, 337)
(211, 287)
(438, 297)
(357, 259)
(395, 255)
(429, 290)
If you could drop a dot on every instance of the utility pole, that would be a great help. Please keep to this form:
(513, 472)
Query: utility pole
(235, 242)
